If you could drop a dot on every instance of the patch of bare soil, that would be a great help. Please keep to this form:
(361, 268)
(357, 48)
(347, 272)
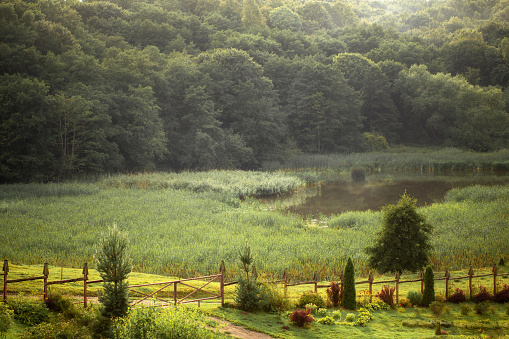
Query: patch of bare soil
(238, 331)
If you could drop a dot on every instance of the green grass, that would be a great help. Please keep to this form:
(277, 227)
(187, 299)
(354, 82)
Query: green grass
(386, 324)
(184, 232)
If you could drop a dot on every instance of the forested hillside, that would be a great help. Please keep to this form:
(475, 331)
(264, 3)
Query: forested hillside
(133, 85)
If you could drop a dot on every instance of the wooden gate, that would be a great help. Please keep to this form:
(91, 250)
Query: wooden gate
(185, 299)
(152, 295)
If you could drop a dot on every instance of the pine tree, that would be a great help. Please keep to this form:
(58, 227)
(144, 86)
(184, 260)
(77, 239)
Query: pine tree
(114, 266)
(404, 242)
(429, 287)
(349, 294)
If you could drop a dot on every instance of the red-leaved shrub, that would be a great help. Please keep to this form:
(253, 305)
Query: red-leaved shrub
(502, 296)
(387, 295)
(334, 294)
(457, 297)
(301, 317)
(482, 296)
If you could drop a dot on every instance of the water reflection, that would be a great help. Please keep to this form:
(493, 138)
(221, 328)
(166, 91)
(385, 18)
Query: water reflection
(377, 191)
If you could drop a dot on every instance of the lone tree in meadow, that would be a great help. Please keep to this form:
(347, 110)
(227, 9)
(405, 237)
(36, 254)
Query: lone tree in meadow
(114, 266)
(404, 241)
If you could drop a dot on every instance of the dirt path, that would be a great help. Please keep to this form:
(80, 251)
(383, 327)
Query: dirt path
(238, 331)
(228, 328)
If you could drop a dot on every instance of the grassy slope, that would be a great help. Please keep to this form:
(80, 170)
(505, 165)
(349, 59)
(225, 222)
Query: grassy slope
(386, 324)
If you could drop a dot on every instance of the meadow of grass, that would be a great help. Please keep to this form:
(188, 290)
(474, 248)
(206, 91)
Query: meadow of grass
(187, 232)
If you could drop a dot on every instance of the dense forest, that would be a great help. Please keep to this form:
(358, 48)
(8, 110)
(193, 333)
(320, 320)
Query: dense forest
(92, 87)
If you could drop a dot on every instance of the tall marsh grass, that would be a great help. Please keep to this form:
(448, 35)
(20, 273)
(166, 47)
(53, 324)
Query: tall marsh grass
(478, 193)
(186, 232)
(236, 183)
(401, 159)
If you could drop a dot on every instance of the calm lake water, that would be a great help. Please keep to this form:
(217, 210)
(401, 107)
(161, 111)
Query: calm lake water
(378, 191)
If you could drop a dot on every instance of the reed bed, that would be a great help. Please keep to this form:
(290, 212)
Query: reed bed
(236, 183)
(400, 159)
(184, 232)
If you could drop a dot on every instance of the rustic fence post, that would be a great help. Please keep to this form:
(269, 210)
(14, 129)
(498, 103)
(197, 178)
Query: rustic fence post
(422, 281)
(6, 271)
(255, 274)
(370, 279)
(45, 273)
(470, 275)
(315, 279)
(397, 288)
(175, 293)
(85, 278)
(221, 282)
(494, 279)
(285, 283)
(447, 276)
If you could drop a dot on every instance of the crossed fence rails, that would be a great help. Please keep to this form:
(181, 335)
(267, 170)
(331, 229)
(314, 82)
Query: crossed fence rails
(220, 277)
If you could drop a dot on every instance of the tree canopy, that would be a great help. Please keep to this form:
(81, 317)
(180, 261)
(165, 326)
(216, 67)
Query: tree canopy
(91, 87)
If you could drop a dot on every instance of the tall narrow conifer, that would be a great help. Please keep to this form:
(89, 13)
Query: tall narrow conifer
(349, 294)
(428, 295)
(114, 266)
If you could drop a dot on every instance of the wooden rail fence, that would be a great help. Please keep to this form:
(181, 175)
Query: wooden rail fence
(370, 281)
(210, 278)
(221, 277)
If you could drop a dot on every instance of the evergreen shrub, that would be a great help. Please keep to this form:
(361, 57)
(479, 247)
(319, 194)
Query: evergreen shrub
(310, 297)
(415, 297)
(114, 265)
(429, 287)
(349, 293)
(272, 299)
(247, 294)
